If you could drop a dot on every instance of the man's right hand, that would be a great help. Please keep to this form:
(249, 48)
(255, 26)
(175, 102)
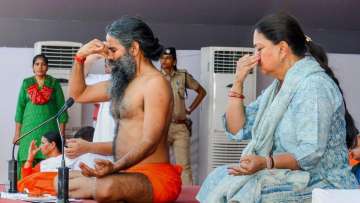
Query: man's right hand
(76, 147)
(95, 46)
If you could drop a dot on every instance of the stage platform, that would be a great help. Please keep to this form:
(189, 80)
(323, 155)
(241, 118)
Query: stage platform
(187, 195)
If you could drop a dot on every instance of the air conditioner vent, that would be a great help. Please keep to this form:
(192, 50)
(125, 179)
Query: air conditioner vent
(60, 54)
(225, 61)
(227, 153)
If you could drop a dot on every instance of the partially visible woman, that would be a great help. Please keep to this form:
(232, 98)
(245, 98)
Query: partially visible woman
(34, 181)
(354, 157)
(40, 98)
(40, 179)
(50, 147)
(299, 126)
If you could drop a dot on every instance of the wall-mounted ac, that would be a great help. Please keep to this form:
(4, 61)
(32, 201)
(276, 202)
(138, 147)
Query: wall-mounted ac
(218, 66)
(60, 55)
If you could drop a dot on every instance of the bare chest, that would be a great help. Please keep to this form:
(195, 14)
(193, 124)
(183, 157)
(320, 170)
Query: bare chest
(132, 104)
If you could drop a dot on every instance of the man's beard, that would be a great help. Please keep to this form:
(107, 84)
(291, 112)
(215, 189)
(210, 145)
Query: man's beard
(122, 73)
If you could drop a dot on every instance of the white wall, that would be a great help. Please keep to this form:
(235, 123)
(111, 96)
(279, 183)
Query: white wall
(347, 70)
(15, 64)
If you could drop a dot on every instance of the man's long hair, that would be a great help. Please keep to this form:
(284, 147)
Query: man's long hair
(129, 29)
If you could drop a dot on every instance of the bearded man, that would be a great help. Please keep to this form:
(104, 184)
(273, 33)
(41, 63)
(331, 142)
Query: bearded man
(141, 104)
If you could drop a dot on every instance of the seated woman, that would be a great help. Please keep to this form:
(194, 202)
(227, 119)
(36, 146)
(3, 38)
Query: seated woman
(40, 178)
(355, 159)
(297, 126)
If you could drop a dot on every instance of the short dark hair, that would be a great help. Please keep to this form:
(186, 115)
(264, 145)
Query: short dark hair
(129, 29)
(40, 56)
(86, 133)
(54, 137)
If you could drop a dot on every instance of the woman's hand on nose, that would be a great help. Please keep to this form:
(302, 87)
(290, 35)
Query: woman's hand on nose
(244, 65)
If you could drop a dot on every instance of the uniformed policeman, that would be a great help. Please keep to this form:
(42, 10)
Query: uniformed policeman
(179, 131)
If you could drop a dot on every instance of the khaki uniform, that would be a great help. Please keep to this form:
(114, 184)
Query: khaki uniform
(179, 135)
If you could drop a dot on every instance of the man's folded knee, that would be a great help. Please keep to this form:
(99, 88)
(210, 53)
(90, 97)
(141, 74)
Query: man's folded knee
(104, 190)
(103, 195)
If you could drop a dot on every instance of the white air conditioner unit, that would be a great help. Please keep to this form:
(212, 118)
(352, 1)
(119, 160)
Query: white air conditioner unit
(60, 55)
(218, 66)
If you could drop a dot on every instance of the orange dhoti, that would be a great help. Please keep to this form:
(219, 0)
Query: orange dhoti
(164, 178)
(39, 183)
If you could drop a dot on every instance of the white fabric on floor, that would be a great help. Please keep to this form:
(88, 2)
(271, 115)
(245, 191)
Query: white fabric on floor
(335, 196)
